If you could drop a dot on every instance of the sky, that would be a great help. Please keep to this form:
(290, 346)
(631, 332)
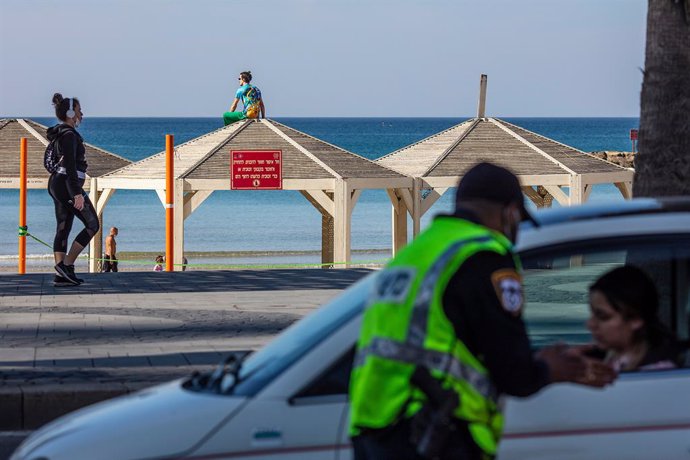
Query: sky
(324, 58)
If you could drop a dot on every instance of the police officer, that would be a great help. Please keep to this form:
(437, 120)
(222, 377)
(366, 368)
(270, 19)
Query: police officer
(443, 337)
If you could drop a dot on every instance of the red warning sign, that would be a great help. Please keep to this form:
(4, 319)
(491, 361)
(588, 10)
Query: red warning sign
(256, 170)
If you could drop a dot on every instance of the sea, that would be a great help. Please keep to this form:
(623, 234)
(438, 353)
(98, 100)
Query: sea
(267, 228)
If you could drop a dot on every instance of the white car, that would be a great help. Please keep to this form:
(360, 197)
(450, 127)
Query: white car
(289, 399)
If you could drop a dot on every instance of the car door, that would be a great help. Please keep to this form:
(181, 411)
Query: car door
(644, 414)
(299, 415)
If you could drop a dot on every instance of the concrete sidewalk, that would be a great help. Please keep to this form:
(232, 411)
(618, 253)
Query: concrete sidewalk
(63, 348)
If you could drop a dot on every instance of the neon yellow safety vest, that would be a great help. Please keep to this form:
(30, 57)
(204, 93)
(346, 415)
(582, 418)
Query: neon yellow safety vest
(404, 326)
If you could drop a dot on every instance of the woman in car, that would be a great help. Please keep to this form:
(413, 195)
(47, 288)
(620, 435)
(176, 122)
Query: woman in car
(625, 325)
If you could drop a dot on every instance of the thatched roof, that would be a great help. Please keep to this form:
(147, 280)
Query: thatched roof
(12, 130)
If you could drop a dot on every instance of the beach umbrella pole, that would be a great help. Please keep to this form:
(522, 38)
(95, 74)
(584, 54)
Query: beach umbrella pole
(169, 203)
(22, 206)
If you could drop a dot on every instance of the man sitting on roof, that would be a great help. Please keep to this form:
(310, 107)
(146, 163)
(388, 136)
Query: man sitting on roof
(251, 100)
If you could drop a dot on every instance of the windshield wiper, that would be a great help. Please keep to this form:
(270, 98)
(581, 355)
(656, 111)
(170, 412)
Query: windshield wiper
(232, 365)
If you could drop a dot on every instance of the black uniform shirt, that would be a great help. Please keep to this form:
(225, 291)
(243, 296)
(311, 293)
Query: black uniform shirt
(483, 301)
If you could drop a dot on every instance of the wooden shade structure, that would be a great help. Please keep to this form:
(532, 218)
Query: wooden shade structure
(13, 129)
(329, 177)
(545, 168)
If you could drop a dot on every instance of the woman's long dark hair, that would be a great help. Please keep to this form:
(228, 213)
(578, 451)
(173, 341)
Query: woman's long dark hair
(632, 293)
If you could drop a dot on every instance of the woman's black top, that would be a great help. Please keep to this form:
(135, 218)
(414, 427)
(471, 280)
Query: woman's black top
(71, 148)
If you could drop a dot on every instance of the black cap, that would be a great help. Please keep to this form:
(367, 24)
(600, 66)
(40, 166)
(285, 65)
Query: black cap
(487, 181)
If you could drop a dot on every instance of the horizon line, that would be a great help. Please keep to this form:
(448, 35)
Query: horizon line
(335, 117)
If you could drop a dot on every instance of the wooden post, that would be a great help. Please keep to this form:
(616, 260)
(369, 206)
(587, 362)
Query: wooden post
(178, 224)
(399, 221)
(577, 190)
(96, 243)
(342, 229)
(22, 204)
(416, 207)
(169, 203)
(481, 107)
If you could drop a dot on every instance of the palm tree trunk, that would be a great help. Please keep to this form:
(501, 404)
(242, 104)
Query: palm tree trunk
(663, 162)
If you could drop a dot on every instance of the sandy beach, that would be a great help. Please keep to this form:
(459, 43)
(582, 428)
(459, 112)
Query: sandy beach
(222, 260)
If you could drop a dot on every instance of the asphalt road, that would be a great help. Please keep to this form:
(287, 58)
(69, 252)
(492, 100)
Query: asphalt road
(9, 440)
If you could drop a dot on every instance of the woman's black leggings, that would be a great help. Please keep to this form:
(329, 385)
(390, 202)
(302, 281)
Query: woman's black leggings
(65, 212)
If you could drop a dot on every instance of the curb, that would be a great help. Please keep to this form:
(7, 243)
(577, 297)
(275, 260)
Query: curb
(28, 407)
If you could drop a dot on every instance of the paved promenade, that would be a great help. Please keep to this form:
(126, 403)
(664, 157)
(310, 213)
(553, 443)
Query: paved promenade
(62, 348)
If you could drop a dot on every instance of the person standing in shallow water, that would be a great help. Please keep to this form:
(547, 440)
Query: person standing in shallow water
(251, 100)
(65, 186)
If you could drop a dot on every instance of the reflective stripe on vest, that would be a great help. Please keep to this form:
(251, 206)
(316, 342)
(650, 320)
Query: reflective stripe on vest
(430, 359)
(413, 351)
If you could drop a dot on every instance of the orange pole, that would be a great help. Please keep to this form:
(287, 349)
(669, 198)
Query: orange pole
(22, 204)
(169, 203)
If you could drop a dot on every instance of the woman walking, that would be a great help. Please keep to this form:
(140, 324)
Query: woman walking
(66, 188)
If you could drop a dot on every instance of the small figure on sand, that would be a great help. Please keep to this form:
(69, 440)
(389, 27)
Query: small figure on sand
(251, 100)
(110, 264)
(159, 263)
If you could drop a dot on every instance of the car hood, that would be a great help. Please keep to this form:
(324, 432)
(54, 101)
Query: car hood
(161, 421)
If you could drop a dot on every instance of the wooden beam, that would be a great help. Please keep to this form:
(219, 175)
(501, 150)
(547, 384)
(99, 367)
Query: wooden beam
(432, 198)
(33, 132)
(178, 224)
(407, 198)
(192, 200)
(398, 221)
(533, 196)
(558, 194)
(525, 179)
(327, 232)
(288, 184)
(416, 207)
(322, 199)
(353, 198)
(481, 106)
(577, 190)
(96, 243)
(100, 199)
(588, 191)
(103, 199)
(380, 183)
(625, 188)
(130, 183)
(624, 175)
(327, 223)
(532, 146)
(547, 198)
(306, 152)
(343, 229)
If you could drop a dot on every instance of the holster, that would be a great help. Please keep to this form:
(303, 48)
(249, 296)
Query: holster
(433, 425)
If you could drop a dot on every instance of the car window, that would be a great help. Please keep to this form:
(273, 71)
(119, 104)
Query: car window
(295, 342)
(335, 381)
(557, 280)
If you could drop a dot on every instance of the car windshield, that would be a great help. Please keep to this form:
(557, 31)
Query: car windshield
(262, 367)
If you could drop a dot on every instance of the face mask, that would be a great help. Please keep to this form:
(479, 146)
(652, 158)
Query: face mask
(77, 122)
(510, 220)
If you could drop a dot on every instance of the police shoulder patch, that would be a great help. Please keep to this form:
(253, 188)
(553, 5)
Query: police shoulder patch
(508, 285)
